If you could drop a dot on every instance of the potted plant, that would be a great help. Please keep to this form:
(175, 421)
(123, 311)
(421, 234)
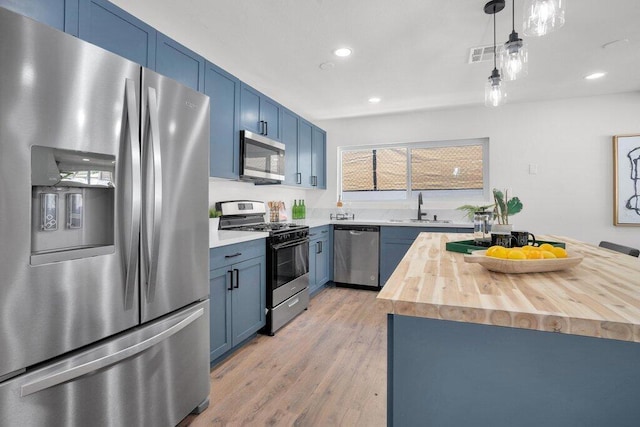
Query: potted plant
(214, 219)
(503, 208)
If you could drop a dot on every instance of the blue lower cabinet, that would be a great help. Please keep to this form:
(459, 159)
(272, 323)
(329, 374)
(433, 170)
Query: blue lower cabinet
(113, 29)
(179, 63)
(237, 292)
(59, 14)
(320, 257)
(220, 320)
(395, 242)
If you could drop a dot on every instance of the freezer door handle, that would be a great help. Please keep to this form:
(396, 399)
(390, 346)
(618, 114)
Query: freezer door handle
(151, 244)
(57, 378)
(131, 120)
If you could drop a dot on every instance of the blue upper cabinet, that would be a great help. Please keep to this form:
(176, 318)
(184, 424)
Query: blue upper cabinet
(179, 63)
(59, 14)
(289, 138)
(305, 131)
(113, 29)
(259, 113)
(224, 91)
(318, 158)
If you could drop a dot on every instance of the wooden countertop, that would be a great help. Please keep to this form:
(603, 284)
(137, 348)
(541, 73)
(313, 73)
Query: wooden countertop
(599, 298)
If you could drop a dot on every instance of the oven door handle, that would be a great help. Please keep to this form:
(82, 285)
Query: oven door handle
(290, 244)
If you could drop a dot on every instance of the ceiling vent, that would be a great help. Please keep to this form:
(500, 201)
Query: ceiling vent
(480, 54)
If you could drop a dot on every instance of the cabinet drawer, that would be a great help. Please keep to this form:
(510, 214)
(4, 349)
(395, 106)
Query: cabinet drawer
(231, 254)
(321, 232)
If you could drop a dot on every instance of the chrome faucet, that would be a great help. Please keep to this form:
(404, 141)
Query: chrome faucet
(420, 213)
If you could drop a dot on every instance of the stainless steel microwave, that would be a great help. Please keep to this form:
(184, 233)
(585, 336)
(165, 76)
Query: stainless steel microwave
(261, 159)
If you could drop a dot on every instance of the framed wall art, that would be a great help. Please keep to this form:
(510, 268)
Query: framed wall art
(626, 180)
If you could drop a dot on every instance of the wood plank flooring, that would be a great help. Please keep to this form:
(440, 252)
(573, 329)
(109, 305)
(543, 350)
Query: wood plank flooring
(326, 368)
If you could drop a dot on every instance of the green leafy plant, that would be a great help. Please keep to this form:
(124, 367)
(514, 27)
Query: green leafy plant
(213, 213)
(470, 210)
(505, 206)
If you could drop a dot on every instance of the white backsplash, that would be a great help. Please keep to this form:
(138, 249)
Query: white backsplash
(223, 190)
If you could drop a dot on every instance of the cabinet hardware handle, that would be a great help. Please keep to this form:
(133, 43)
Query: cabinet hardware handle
(234, 255)
(237, 284)
(325, 231)
(312, 234)
(230, 288)
(319, 246)
(298, 178)
(266, 128)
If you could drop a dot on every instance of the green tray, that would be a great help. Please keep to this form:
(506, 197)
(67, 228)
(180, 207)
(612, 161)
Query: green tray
(468, 246)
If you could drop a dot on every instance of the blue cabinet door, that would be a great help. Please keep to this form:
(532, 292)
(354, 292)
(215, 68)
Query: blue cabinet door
(250, 109)
(322, 264)
(270, 115)
(290, 140)
(318, 154)
(179, 63)
(59, 14)
(305, 130)
(259, 113)
(320, 257)
(220, 314)
(113, 29)
(248, 301)
(224, 91)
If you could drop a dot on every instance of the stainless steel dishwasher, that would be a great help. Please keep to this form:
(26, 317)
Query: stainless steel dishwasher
(356, 255)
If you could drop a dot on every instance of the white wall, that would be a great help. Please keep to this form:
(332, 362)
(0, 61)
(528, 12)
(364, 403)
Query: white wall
(570, 141)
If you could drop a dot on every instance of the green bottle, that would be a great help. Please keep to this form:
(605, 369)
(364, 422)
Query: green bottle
(294, 210)
(304, 210)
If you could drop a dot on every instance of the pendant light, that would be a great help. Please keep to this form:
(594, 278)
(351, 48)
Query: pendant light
(514, 55)
(494, 92)
(542, 16)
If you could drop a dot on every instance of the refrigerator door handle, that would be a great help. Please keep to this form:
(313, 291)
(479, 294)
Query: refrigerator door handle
(152, 244)
(131, 121)
(57, 378)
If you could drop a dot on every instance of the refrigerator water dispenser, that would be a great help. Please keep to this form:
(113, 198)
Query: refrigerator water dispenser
(73, 202)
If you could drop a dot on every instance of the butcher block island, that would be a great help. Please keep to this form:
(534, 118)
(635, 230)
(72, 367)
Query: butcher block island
(468, 346)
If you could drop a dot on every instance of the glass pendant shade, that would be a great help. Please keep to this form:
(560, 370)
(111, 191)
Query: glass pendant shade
(542, 16)
(514, 58)
(495, 93)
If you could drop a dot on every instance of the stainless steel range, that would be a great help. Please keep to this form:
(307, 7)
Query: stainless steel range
(287, 259)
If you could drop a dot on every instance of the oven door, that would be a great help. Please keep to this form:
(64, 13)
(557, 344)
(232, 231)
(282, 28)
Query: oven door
(290, 262)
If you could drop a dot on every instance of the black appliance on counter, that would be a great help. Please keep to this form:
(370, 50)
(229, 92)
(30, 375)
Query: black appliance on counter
(287, 259)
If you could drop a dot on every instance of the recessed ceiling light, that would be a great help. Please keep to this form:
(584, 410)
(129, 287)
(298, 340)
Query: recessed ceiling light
(342, 52)
(594, 76)
(374, 100)
(327, 66)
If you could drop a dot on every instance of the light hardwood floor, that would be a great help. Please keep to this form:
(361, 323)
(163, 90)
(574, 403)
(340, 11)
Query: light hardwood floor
(326, 368)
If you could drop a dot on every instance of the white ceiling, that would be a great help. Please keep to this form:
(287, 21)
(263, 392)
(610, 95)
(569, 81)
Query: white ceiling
(411, 53)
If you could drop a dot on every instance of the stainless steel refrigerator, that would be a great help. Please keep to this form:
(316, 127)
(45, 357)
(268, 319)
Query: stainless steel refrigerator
(104, 311)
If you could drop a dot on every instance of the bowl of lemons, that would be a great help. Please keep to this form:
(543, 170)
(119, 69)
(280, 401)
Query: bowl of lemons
(527, 259)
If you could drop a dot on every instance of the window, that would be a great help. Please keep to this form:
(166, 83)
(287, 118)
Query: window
(442, 170)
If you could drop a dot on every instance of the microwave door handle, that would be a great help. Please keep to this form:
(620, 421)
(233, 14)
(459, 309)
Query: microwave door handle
(153, 244)
(130, 118)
